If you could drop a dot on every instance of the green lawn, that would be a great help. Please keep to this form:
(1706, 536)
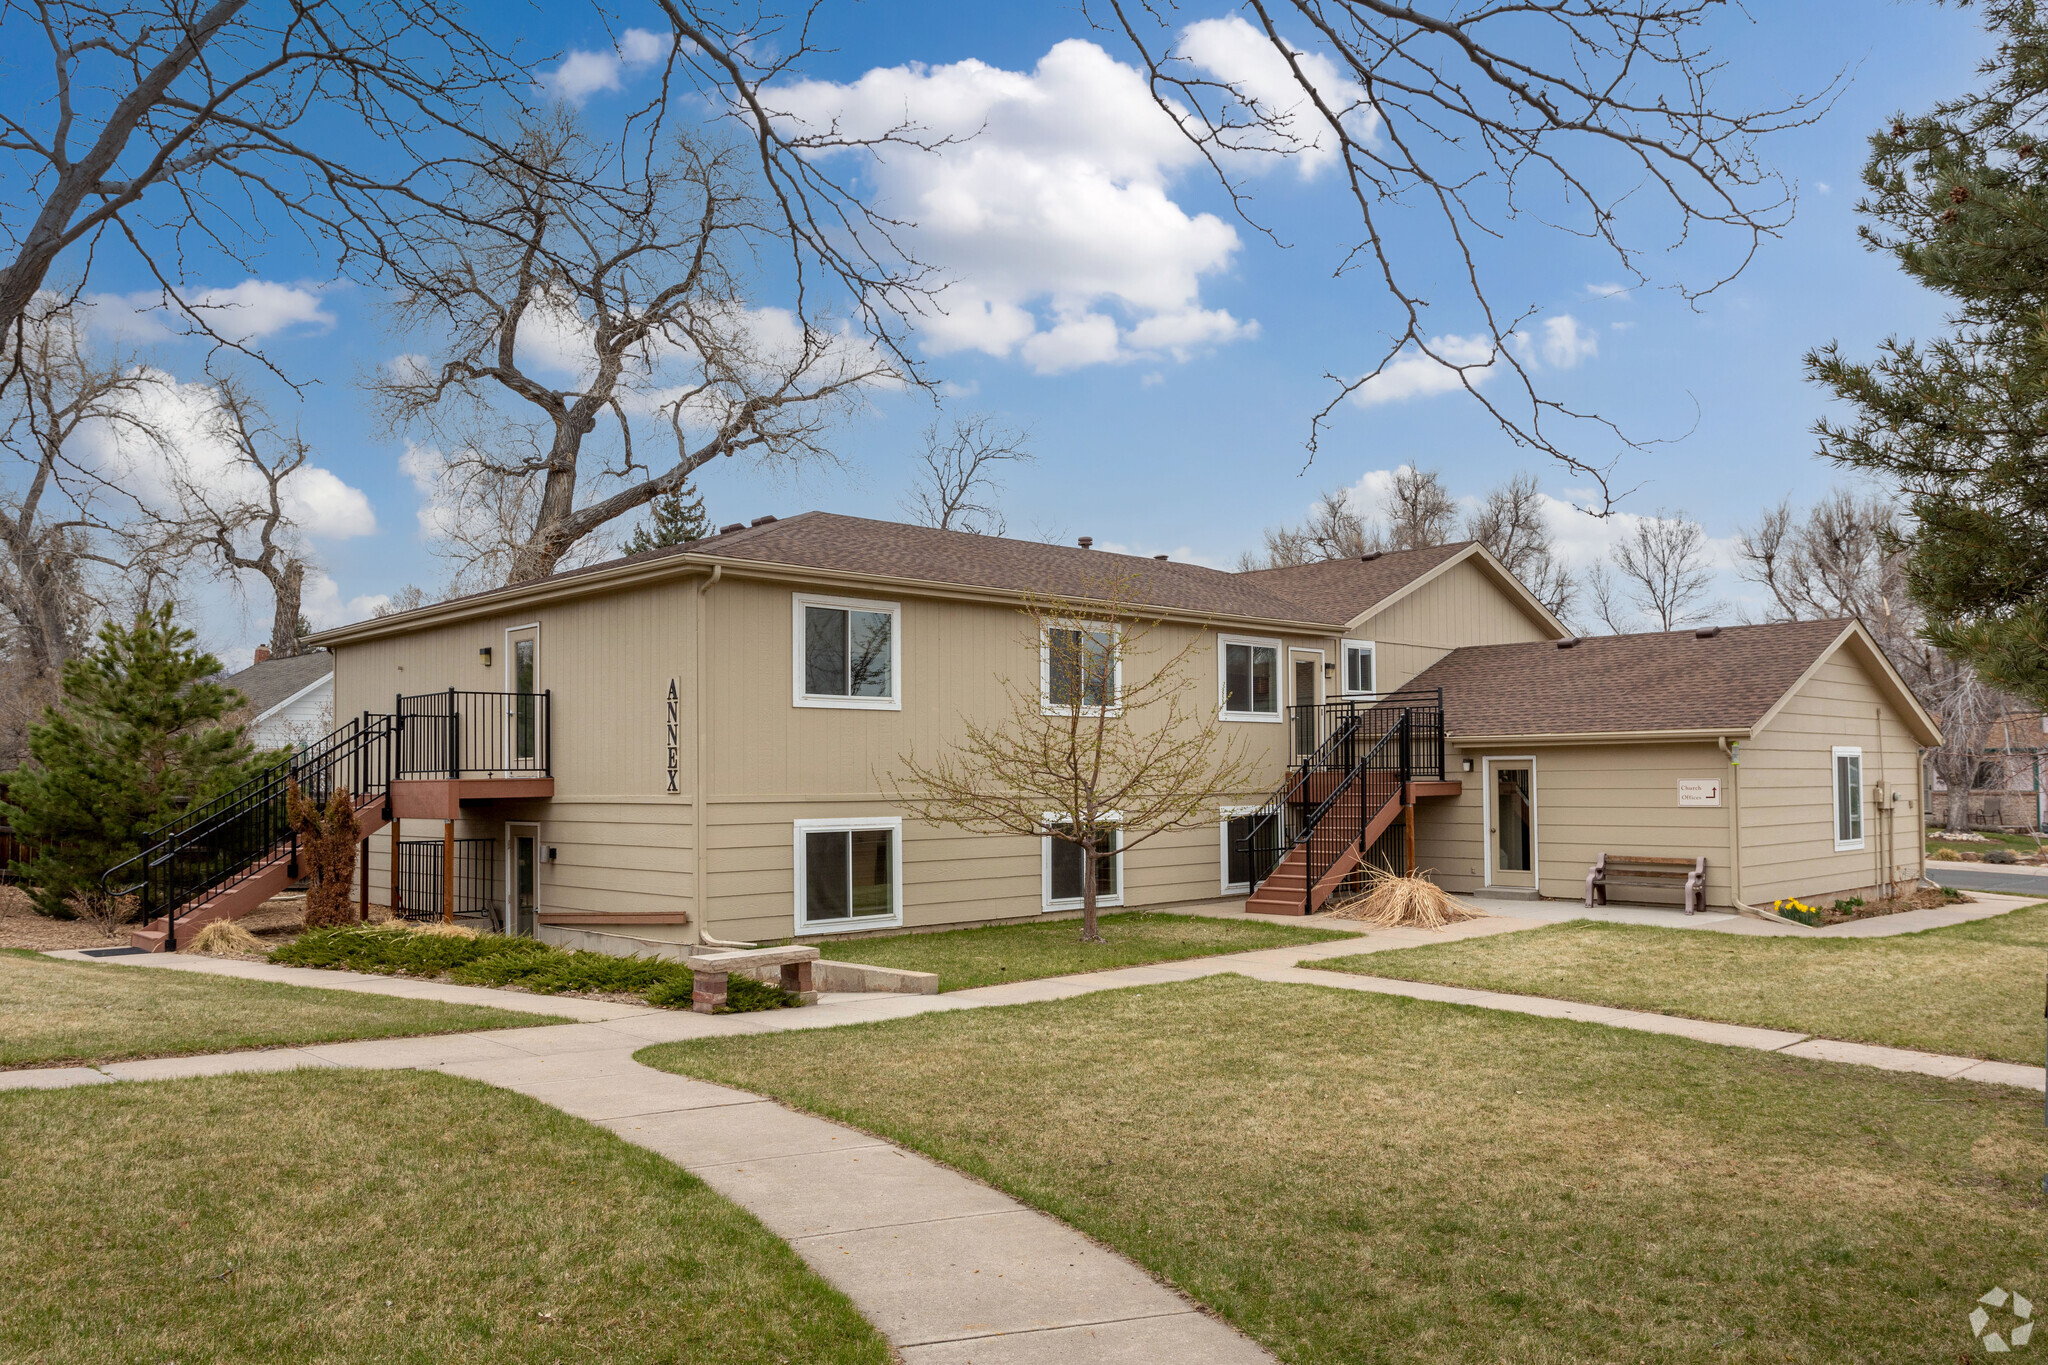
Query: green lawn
(1359, 1178)
(55, 1011)
(1971, 990)
(964, 958)
(326, 1218)
(1938, 847)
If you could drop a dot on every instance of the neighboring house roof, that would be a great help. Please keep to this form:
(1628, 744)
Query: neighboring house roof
(274, 682)
(1729, 683)
(856, 547)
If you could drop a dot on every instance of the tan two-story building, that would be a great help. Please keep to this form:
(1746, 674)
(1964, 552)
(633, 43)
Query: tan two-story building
(695, 742)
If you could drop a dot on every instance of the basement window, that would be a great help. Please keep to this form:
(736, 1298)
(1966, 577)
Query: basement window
(1063, 871)
(1848, 799)
(849, 874)
(847, 653)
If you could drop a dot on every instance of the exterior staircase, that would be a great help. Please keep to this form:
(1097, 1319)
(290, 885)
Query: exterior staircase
(1344, 794)
(224, 858)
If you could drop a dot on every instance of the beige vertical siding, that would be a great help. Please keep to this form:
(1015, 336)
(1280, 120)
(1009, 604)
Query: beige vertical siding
(1788, 791)
(1461, 606)
(1615, 798)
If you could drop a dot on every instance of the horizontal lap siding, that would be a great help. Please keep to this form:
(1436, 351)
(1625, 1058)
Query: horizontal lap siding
(1589, 799)
(1788, 791)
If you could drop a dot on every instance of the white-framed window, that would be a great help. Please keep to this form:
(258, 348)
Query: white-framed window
(1237, 859)
(1248, 677)
(1063, 870)
(849, 874)
(846, 653)
(1079, 666)
(1360, 675)
(1848, 798)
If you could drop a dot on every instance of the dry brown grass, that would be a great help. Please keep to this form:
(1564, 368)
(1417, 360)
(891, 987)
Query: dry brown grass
(226, 938)
(405, 1217)
(442, 930)
(1390, 902)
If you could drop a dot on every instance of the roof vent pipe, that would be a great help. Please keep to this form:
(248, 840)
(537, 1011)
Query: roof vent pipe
(1367, 559)
(1567, 642)
(1086, 542)
(1706, 632)
(1159, 557)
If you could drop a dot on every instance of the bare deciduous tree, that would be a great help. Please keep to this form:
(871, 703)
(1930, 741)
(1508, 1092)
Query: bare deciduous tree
(1102, 747)
(1418, 509)
(1334, 529)
(1462, 113)
(238, 518)
(1510, 524)
(1666, 572)
(634, 292)
(955, 486)
(411, 597)
(1845, 559)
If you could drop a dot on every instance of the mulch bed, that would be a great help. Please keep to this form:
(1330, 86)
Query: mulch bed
(1926, 898)
(278, 921)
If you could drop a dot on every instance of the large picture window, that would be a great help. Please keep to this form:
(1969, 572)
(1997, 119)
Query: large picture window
(849, 874)
(1251, 678)
(1080, 668)
(1848, 799)
(1063, 871)
(848, 653)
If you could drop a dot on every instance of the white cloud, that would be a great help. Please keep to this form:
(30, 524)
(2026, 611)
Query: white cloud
(1565, 343)
(247, 311)
(1184, 554)
(195, 449)
(584, 73)
(321, 603)
(1050, 214)
(1582, 540)
(1415, 375)
(1609, 290)
(1286, 124)
(1824, 187)
(427, 467)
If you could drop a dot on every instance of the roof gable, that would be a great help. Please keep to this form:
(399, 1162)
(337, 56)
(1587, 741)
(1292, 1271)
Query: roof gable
(1630, 684)
(274, 682)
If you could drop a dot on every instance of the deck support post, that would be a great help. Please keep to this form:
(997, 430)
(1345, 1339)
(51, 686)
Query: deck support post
(397, 901)
(1408, 818)
(447, 872)
(363, 886)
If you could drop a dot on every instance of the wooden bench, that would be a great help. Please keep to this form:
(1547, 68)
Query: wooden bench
(1686, 875)
(709, 973)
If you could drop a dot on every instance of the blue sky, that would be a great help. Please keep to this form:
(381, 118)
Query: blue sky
(1187, 436)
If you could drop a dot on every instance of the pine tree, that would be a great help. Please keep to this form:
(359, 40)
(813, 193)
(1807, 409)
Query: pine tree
(1959, 196)
(137, 739)
(673, 518)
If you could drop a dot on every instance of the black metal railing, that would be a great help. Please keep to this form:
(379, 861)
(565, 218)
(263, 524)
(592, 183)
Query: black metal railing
(476, 734)
(475, 882)
(221, 842)
(1354, 756)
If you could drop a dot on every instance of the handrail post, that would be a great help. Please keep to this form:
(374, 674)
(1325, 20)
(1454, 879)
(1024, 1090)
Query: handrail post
(454, 739)
(547, 730)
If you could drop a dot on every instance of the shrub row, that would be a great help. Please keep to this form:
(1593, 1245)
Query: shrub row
(498, 960)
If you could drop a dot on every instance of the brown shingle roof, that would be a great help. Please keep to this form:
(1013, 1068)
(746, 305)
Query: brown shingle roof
(1341, 589)
(827, 540)
(1608, 684)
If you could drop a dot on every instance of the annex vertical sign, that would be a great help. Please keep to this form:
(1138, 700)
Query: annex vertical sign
(673, 699)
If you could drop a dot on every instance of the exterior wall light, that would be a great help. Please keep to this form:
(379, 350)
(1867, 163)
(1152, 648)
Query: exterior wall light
(1466, 765)
(485, 655)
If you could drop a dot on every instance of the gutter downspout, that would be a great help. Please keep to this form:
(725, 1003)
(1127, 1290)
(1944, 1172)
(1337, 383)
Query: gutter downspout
(1735, 835)
(701, 859)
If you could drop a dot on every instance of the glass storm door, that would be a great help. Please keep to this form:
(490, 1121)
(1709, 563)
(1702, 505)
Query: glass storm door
(1305, 671)
(1511, 823)
(522, 680)
(521, 899)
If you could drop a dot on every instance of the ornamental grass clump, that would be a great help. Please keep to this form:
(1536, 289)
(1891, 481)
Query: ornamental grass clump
(1389, 901)
(456, 953)
(225, 938)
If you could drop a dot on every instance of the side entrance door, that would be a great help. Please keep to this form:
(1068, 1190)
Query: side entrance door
(1308, 682)
(522, 862)
(1511, 823)
(522, 710)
